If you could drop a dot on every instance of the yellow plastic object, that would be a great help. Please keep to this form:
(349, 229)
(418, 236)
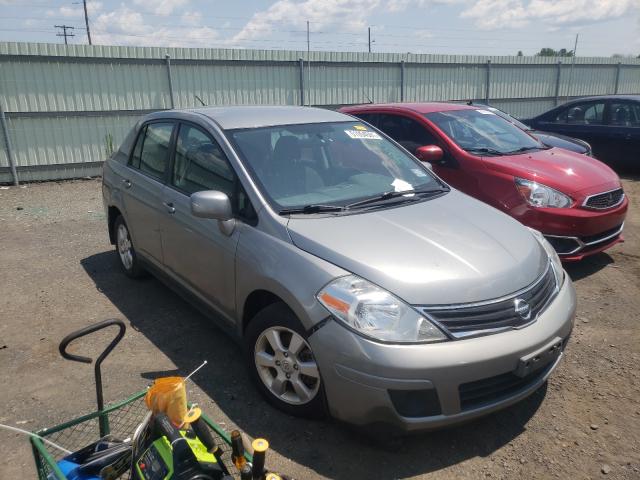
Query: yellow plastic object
(169, 395)
(260, 445)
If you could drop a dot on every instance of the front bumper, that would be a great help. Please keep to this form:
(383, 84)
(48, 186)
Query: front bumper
(361, 376)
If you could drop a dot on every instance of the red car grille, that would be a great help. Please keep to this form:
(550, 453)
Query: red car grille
(605, 200)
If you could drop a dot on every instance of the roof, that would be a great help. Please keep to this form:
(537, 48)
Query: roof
(604, 97)
(424, 107)
(263, 116)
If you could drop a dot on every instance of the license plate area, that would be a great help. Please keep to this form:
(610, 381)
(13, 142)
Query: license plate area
(540, 358)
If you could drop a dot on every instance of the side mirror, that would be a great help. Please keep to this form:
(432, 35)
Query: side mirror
(430, 154)
(211, 204)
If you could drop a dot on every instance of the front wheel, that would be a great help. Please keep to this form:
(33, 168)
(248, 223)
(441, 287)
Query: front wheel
(126, 253)
(282, 363)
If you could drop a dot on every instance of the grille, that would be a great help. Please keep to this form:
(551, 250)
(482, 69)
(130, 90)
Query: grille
(605, 200)
(493, 389)
(600, 237)
(466, 320)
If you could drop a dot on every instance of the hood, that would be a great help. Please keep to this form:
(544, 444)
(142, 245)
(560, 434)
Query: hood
(567, 172)
(452, 249)
(561, 141)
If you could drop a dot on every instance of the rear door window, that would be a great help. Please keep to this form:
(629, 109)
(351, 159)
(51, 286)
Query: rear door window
(625, 114)
(151, 153)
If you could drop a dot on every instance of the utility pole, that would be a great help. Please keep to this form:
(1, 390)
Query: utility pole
(64, 32)
(369, 39)
(308, 66)
(573, 62)
(86, 20)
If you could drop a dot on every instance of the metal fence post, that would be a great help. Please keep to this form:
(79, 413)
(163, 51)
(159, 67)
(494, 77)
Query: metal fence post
(402, 80)
(301, 63)
(7, 142)
(558, 78)
(618, 77)
(167, 57)
(488, 86)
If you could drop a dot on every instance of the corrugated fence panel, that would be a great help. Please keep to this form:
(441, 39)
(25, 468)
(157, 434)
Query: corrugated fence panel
(524, 108)
(240, 84)
(45, 85)
(352, 83)
(515, 81)
(588, 80)
(435, 82)
(629, 80)
(41, 141)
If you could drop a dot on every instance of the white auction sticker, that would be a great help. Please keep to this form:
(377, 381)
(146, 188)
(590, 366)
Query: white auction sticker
(363, 135)
(485, 112)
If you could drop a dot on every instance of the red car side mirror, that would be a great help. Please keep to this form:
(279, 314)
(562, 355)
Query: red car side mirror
(429, 153)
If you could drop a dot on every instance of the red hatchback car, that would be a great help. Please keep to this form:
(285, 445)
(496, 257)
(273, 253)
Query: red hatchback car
(577, 202)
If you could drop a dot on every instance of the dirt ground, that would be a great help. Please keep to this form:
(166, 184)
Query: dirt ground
(59, 273)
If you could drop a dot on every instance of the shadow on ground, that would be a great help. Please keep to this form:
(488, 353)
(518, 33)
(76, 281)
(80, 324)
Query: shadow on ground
(587, 266)
(328, 448)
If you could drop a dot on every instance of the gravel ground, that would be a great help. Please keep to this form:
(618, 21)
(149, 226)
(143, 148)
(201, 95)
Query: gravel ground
(59, 273)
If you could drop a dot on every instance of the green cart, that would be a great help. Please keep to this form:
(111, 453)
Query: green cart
(119, 419)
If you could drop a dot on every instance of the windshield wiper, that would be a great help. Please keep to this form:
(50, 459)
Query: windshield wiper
(393, 194)
(524, 149)
(312, 208)
(491, 151)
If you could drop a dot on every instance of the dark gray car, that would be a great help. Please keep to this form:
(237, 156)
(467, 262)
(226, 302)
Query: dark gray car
(356, 279)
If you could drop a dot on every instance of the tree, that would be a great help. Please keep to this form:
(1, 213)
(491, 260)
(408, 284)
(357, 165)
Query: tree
(550, 52)
(520, 53)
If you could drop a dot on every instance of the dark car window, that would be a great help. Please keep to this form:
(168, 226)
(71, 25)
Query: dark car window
(626, 114)
(151, 152)
(200, 163)
(406, 131)
(368, 117)
(588, 113)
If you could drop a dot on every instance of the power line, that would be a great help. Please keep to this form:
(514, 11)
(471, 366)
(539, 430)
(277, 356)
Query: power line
(64, 32)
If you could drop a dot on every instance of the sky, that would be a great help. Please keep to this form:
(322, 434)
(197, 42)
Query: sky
(470, 27)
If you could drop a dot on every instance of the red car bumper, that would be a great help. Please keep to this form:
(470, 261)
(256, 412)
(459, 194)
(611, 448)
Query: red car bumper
(577, 232)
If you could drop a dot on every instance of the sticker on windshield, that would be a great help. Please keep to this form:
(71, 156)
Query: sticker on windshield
(418, 172)
(359, 127)
(485, 112)
(367, 135)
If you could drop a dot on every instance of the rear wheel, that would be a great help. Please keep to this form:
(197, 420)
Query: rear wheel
(126, 253)
(282, 363)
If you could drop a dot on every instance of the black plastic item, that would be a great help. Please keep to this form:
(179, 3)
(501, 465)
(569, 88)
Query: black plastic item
(104, 424)
(204, 434)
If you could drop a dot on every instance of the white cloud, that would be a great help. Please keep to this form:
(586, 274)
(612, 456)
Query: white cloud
(489, 14)
(75, 11)
(161, 7)
(125, 26)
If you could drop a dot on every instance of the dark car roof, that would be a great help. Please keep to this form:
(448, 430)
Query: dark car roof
(603, 97)
(422, 107)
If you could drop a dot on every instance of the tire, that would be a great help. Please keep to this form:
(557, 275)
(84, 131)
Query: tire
(124, 248)
(289, 370)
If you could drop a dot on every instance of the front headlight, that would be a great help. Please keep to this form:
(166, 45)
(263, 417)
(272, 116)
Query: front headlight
(551, 252)
(539, 195)
(376, 313)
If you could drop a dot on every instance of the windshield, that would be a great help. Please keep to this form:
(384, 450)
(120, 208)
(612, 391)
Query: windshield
(483, 132)
(328, 164)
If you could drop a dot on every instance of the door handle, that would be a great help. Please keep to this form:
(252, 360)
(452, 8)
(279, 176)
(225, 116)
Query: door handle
(127, 183)
(170, 207)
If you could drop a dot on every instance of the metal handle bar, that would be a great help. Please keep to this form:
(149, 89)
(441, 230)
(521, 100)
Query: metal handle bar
(104, 425)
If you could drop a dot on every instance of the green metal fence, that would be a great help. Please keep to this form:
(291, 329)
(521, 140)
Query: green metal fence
(66, 104)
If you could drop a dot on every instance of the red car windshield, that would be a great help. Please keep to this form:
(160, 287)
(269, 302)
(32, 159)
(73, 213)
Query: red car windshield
(483, 132)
